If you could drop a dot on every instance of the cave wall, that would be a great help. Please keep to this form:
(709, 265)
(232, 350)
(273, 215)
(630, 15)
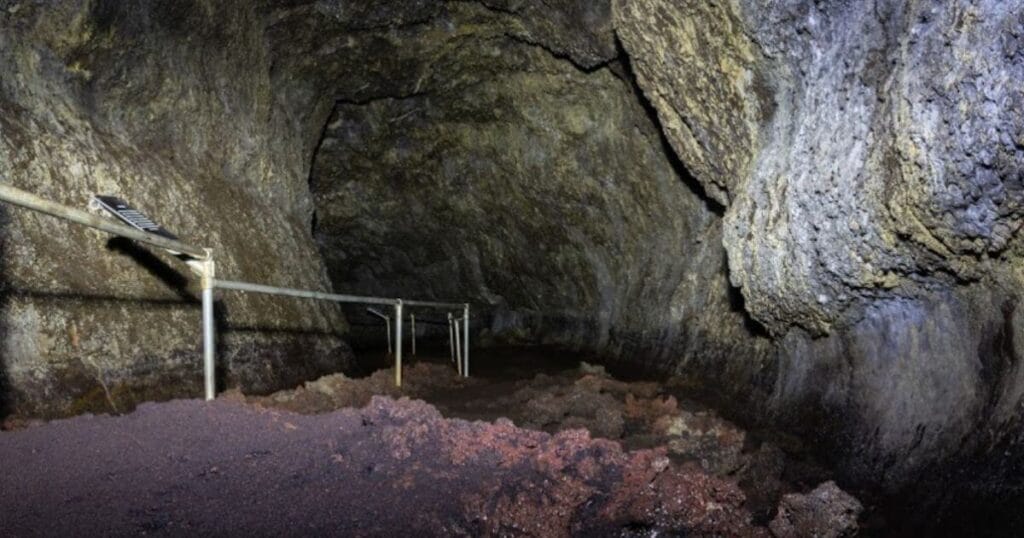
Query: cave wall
(809, 210)
(172, 106)
(872, 211)
(881, 148)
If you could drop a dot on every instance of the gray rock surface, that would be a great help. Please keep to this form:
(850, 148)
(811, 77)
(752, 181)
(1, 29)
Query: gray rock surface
(825, 512)
(864, 149)
(872, 208)
(169, 105)
(593, 174)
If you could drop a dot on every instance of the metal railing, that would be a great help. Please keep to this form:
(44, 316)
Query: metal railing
(202, 263)
(387, 324)
(460, 353)
(30, 201)
(208, 345)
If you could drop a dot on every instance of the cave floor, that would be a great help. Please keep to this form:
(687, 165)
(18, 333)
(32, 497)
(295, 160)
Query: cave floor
(536, 443)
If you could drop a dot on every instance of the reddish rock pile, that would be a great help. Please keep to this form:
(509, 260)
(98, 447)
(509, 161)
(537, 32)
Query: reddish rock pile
(639, 415)
(391, 467)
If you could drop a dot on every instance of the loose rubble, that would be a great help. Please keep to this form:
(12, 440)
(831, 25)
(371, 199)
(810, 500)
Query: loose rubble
(572, 453)
(638, 415)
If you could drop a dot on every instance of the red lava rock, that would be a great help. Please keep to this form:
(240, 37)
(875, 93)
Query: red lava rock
(390, 468)
(653, 410)
(638, 414)
(337, 391)
(368, 465)
(584, 398)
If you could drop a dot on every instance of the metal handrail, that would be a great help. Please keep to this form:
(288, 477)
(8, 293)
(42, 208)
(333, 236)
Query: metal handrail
(305, 294)
(203, 264)
(28, 200)
(433, 304)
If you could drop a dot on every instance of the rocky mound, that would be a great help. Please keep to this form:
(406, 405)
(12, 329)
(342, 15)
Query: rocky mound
(389, 468)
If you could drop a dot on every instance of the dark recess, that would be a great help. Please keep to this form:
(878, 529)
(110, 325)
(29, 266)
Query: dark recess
(629, 77)
(736, 300)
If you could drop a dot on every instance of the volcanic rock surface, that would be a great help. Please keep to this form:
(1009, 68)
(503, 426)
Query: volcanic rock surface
(637, 414)
(242, 465)
(808, 211)
(869, 158)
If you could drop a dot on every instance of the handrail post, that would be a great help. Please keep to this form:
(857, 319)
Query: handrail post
(451, 338)
(458, 346)
(209, 328)
(465, 340)
(387, 327)
(398, 343)
(412, 331)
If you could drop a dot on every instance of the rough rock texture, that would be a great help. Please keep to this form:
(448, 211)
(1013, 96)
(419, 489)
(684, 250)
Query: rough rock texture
(391, 468)
(872, 208)
(826, 512)
(877, 149)
(524, 178)
(637, 414)
(701, 72)
(172, 106)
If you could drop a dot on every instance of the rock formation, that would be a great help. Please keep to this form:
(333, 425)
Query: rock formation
(810, 209)
(172, 107)
(873, 201)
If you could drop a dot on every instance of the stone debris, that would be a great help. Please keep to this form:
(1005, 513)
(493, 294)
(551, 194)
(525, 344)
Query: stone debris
(637, 415)
(826, 512)
(392, 467)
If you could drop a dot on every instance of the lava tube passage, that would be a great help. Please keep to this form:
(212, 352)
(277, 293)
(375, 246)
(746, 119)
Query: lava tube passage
(537, 268)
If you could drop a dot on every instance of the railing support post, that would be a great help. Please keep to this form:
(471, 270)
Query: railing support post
(458, 345)
(398, 343)
(412, 331)
(387, 327)
(209, 327)
(465, 340)
(451, 338)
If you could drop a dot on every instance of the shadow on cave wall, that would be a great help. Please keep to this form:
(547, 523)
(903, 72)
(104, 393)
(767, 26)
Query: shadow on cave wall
(178, 282)
(174, 279)
(682, 172)
(230, 355)
(737, 302)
